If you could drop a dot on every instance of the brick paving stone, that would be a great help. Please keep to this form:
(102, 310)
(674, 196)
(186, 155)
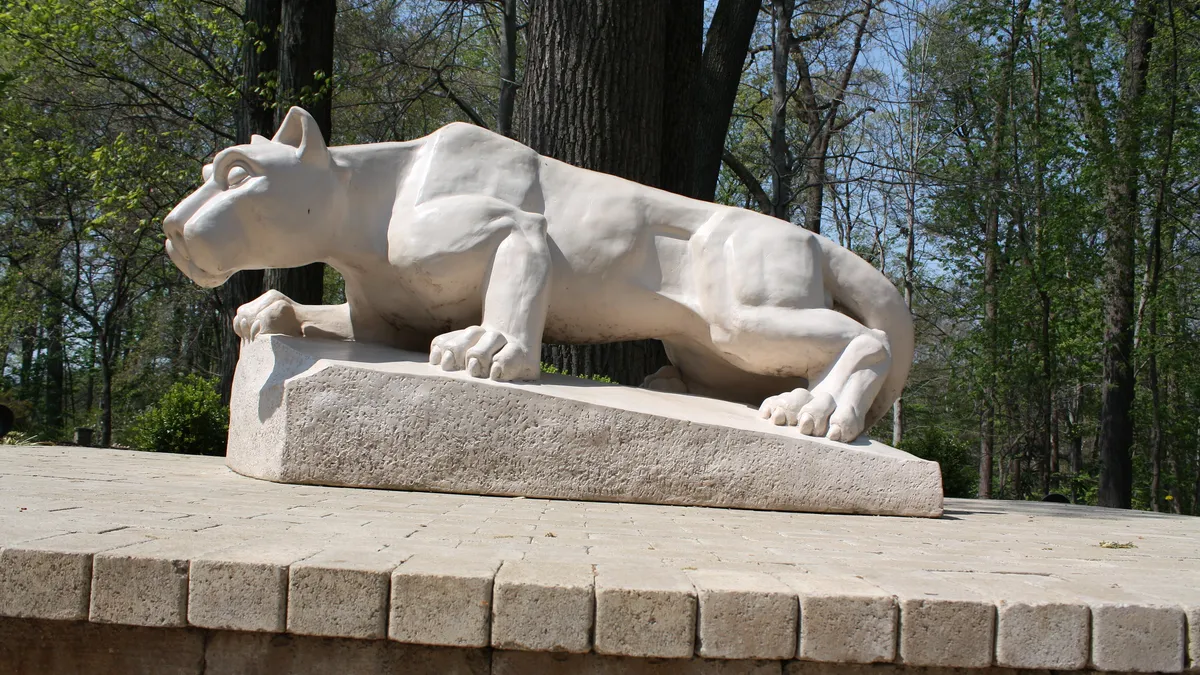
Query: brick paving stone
(1142, 615)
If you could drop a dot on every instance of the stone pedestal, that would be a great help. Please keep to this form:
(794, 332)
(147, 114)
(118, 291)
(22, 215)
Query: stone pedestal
(343, 413)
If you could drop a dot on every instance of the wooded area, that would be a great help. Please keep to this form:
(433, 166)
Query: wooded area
(1026, 172)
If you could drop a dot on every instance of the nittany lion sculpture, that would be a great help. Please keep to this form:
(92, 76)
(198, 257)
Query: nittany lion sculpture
(473, 246)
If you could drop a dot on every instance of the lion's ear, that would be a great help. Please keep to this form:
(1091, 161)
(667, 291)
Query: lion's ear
(300, 131)
(207, 172)
(255, 139)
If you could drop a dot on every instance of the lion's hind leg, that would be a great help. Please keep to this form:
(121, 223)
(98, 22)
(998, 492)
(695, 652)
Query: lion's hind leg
(837, 405)
(843, 362)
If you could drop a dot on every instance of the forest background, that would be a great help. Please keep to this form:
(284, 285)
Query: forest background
(1026, 172)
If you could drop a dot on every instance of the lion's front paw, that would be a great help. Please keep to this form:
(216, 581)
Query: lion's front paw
(272, 312)
(485, 353)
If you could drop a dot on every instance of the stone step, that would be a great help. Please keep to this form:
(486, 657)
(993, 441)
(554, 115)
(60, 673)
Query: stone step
(345, 413)
(176, 542)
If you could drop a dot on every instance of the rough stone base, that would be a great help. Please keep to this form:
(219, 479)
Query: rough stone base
(342, 413)
(36, 647)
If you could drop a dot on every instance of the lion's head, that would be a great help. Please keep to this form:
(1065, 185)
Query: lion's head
(272, 203)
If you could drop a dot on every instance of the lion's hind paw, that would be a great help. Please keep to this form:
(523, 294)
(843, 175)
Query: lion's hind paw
(814, 414)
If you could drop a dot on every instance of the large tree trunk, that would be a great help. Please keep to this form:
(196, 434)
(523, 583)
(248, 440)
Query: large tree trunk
(781, 164)
(106, 401)
(305, 66)
(1122, 166)
(1002, 92)
(592, 97)
(1154, 266)
(508, 69)
(725, 50)
(256, 115)
(52, 411)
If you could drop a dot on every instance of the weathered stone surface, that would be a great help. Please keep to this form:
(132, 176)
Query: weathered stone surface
(1038, 624)
(342, 413)
(132, 496)
(144, 584)
(543, 607)
(51, 578)
(843, 619)
(941, 623)
(544, 663)
(37, 647)
(1138, 638)
(342, 592)
(744, 615)
(230, 653)
(644, 611)
(244, 587)
(442, 600)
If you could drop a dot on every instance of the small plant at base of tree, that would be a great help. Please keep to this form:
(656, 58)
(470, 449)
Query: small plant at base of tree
(188, 419)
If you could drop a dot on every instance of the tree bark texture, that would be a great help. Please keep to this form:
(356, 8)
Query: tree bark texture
(725, 50)
(781, 164)
(305, 64)
(1002, 94)
(256, 115)
(1122, 167)
(508, 69)
(593, 97)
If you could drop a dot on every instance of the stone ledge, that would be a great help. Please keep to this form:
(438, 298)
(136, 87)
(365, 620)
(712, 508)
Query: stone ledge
(344, 413)
(990, 584)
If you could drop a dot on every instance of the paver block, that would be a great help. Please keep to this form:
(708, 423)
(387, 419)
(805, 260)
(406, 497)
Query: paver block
(543, 607)
(244, 587)
(552, 663)
(843, 619)
(342, 592)
(52, 578)
(1138, 638)
(442, 600)
(644, 611)
(744, 615)
(941, 624)
(144, 584)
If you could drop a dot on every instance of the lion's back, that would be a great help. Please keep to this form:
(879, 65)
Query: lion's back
(463, 159)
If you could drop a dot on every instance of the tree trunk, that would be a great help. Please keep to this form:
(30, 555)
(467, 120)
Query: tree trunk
(683, 47)
(305, 66)
(256, 115)
(1003, 99)
(52, 410)
(1166, 134)
(26, 374)
(725, 50)
(106, 369)
(593, 97)
(910, 258)
(508, 69)
(1121, 167)
(781, 166)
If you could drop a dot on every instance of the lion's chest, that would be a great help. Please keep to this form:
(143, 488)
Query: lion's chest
(415, 301)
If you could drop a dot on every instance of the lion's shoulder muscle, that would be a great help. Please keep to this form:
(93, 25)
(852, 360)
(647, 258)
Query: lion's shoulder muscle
(462, 158)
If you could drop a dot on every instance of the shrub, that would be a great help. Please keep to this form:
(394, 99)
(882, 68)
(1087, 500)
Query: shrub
(188, 419)
(960, 477)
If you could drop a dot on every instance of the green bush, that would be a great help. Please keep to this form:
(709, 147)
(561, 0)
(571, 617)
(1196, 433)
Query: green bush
(188, 419)
(960, 477)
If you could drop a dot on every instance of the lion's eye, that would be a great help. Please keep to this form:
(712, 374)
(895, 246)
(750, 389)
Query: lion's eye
(237, 176)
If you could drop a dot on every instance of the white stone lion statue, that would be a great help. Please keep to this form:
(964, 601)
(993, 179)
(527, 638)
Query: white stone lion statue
(473, 246)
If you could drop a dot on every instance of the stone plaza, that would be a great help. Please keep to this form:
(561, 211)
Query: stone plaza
(126, 562)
